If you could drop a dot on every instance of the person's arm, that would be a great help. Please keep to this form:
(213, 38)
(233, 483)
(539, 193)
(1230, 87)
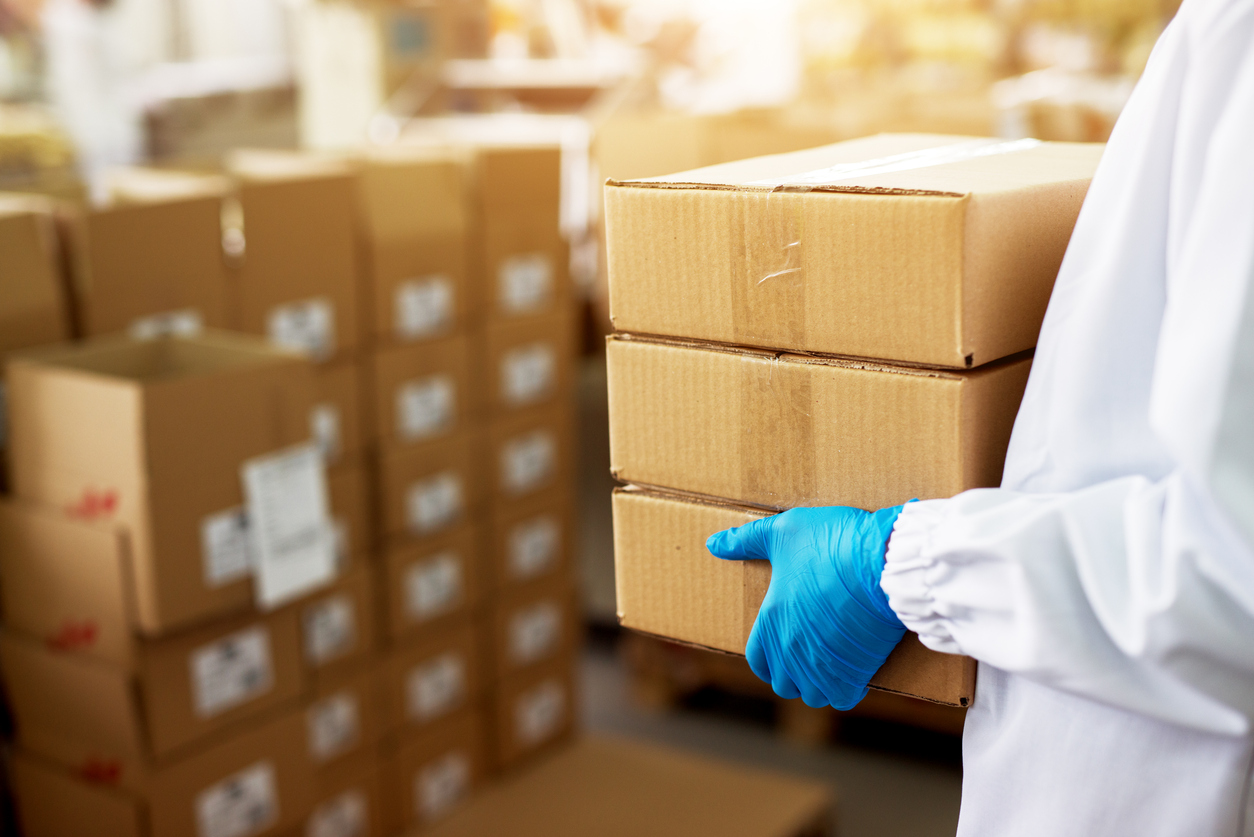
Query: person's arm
(1133, 592)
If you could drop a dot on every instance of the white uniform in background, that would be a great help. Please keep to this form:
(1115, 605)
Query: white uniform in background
(1107, 588)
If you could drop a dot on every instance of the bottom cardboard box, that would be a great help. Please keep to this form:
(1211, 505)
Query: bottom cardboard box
(533, 711)
(257, 784)
(668, 585)
(348, 801)
(430, 775)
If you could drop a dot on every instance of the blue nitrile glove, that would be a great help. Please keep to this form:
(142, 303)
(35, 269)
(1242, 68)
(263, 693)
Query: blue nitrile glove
(825, 626)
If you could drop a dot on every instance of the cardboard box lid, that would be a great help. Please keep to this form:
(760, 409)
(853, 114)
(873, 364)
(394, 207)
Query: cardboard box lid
(619, 788)
(669, 585)
(414, 191)
(915, 248)
(777, 430)
(252, 165)
(135, 185)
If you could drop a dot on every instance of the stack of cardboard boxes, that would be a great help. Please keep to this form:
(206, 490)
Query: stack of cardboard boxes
(849, 325)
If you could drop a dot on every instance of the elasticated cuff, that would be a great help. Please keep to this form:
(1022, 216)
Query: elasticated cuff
(908, 566)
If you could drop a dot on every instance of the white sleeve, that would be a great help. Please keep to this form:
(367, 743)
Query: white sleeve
(1135, 592)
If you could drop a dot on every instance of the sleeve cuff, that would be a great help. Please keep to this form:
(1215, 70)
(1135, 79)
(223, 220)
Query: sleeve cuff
(908, 568)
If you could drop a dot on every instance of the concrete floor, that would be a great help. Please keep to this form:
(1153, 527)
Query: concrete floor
(888, 780)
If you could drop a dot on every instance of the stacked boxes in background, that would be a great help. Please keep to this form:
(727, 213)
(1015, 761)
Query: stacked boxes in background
(750, 299)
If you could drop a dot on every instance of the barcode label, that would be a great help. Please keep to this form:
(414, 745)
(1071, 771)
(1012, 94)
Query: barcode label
(343, 816)
(425, 408)
(324, 429)
(440, 785)
(434, 504)
(528, 373)
(528, 462)
(185, 322)
(307, 326)
(225, 550)
(433, 587)
(540, 712)
(330, 629)
(241, 805)
(535, 632)
(424, 307)
(534, 547)
(334, 726)
(436, 688)
(231, 671)
(525, 283)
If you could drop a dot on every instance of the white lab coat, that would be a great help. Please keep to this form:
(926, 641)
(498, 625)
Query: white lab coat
(1107, 588)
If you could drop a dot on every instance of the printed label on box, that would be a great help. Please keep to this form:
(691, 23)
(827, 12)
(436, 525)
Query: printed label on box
(424, 307)
(243, 804)
(324, 429)
(334, 726)
(293, 542)
(330, 629)
(436, 687)
(534, 547)
(434, 504)
(525, 283)
(231, 671)
(528, 462)
(344, 816)
(225, 548)
(534, 632)
(185, 322)
(527, 374)
(433, 586)
(441, 784)
(307, 326)
(425, 407)
(539, 713)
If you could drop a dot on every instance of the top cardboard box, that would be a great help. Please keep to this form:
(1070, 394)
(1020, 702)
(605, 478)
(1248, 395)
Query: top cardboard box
(32, 299)
(151, 435)
(915, 248)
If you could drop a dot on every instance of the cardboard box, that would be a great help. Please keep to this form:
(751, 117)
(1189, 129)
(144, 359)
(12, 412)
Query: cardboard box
(344, 721)
(644, 789)
(433, 774)
(297, 280)
(529, 453)
(533, 624)
(529, 362)
(779, 431)
(151, 435)
(185, 689)
(348, 801)
(416, 219)
(670, 586)
(433, 678)
(150, 260)
(430, 488)
(348, 494)
(336, 421)
(33, 305)
(432, 582)
(533, 711)
(942, 258)
(423, 391)
(339, 624)
(260, 776)
(532, 538)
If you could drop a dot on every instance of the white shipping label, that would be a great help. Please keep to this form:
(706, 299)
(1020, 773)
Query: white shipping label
(243, 804)
(528, 462)
(434, 586)
(535, 632)
(441, 784)
(425, 407)
(343, 816)
(434, 504)
(231, 671)
(225, 550)
(435, 688)
(534, 547)
(334, 726)
(324, 429)
(525, 283)
(424, 307)
(330, 629)
(528, 374)
(293, 541)
(185, 322)
(307, 326)
(539, 713)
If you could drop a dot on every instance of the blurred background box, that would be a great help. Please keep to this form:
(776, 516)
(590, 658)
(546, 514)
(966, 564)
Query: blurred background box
(430, 488)
(527, 362)
(431, 774)
(33, 305)
(423, 392)
(533, 624)
(532, 538)
(533, 711)
(340, 623)
(432, 582)
(433, 677)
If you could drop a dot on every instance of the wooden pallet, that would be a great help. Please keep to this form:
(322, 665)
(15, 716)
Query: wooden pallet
(664, 673)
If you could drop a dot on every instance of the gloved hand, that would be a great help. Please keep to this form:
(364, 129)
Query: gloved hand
(825, 626)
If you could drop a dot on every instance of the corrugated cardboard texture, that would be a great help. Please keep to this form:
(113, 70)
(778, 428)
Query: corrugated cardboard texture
(949, 265)
(670, 586)
(597, 786)
(531, 538)
(527, 362)
(151, 436)
(415, 369)
(533, 711)
(459, 641)
(67, 582)
(33, 307)
(404, 562)
(780, 431)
